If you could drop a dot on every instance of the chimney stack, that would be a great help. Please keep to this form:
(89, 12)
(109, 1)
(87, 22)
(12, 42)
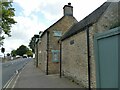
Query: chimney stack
(68, 10)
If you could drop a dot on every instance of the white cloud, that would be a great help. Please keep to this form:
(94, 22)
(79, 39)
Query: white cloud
(23, 31)
(29, 23)
(52, 9)
(26, 27)
(113, 0)
(28, 6)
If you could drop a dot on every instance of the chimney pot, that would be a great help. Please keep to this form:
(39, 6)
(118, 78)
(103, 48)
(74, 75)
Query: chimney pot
(69, 4)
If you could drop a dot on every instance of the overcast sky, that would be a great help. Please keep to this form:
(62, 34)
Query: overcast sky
(33, 16)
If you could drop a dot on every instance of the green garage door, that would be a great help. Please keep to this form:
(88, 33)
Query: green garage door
(107, 58)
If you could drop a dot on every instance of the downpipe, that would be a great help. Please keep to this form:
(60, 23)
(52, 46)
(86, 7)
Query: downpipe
(47, 52)
(60, 59)
(88, 55)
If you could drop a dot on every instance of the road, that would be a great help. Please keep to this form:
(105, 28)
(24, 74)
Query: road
(9, 68)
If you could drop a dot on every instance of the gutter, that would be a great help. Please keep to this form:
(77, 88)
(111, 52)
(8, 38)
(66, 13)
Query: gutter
(88, 55)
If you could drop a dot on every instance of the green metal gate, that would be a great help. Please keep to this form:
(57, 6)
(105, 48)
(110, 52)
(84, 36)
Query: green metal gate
(107, 53)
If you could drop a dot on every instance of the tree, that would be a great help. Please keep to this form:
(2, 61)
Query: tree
(2, 50)
(8, 54)
(29, 53)
(7, 16)
(22, 50)
(32, 42)
(13, 53)
(6, 20)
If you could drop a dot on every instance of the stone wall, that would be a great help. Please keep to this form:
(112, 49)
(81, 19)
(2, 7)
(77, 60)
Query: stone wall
(74, 57)
(110, 19)
(42, 53)
(62, 25)
(107, 21)
(92, 30)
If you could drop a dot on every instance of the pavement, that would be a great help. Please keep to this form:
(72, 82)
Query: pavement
(32, 77)
(10, 68)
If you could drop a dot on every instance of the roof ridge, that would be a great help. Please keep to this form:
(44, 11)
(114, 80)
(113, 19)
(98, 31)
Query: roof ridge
(87, 21)
(56, 23)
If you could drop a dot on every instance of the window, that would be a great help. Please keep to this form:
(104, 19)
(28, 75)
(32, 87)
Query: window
(57, 33)
(71, 42)
(55, 55)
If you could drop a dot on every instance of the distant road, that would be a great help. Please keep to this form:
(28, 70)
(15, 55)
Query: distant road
(0, 59)
(9, 68)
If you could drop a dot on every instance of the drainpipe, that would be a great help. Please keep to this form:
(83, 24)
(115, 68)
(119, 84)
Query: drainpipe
(60, 59)
(36, 55)
(88, 55)
(47, 52)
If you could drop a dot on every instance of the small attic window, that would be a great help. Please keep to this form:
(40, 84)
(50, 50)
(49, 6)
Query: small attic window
(71, 42)
(57, 33)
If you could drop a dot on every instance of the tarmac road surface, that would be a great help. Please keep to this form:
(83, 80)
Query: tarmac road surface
(9, 68)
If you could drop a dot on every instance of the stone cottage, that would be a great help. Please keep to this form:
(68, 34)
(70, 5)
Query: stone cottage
(48, 46)
(77, 45)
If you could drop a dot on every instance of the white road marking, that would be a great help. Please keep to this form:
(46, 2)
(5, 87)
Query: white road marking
(8, 83)
(11, 79)
(17, 78)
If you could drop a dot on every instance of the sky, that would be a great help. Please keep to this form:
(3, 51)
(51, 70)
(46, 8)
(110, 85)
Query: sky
(33, 16)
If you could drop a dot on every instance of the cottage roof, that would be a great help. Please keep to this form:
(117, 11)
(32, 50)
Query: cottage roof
(56, 23)
(87, 21)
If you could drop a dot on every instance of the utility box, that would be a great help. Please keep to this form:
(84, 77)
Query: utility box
(107, 55)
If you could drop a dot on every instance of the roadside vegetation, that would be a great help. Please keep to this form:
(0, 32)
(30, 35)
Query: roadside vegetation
(22, 51)
(6, 19)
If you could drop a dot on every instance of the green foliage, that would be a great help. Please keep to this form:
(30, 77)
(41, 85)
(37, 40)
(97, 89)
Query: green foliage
(32, 44)
(6, 18)
(8, 54)
(33, 41)
(13, 53)
(22, 50)
(29, 53)
(2, 50)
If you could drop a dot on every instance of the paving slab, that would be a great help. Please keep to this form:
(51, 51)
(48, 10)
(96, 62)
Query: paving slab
(32, 77)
